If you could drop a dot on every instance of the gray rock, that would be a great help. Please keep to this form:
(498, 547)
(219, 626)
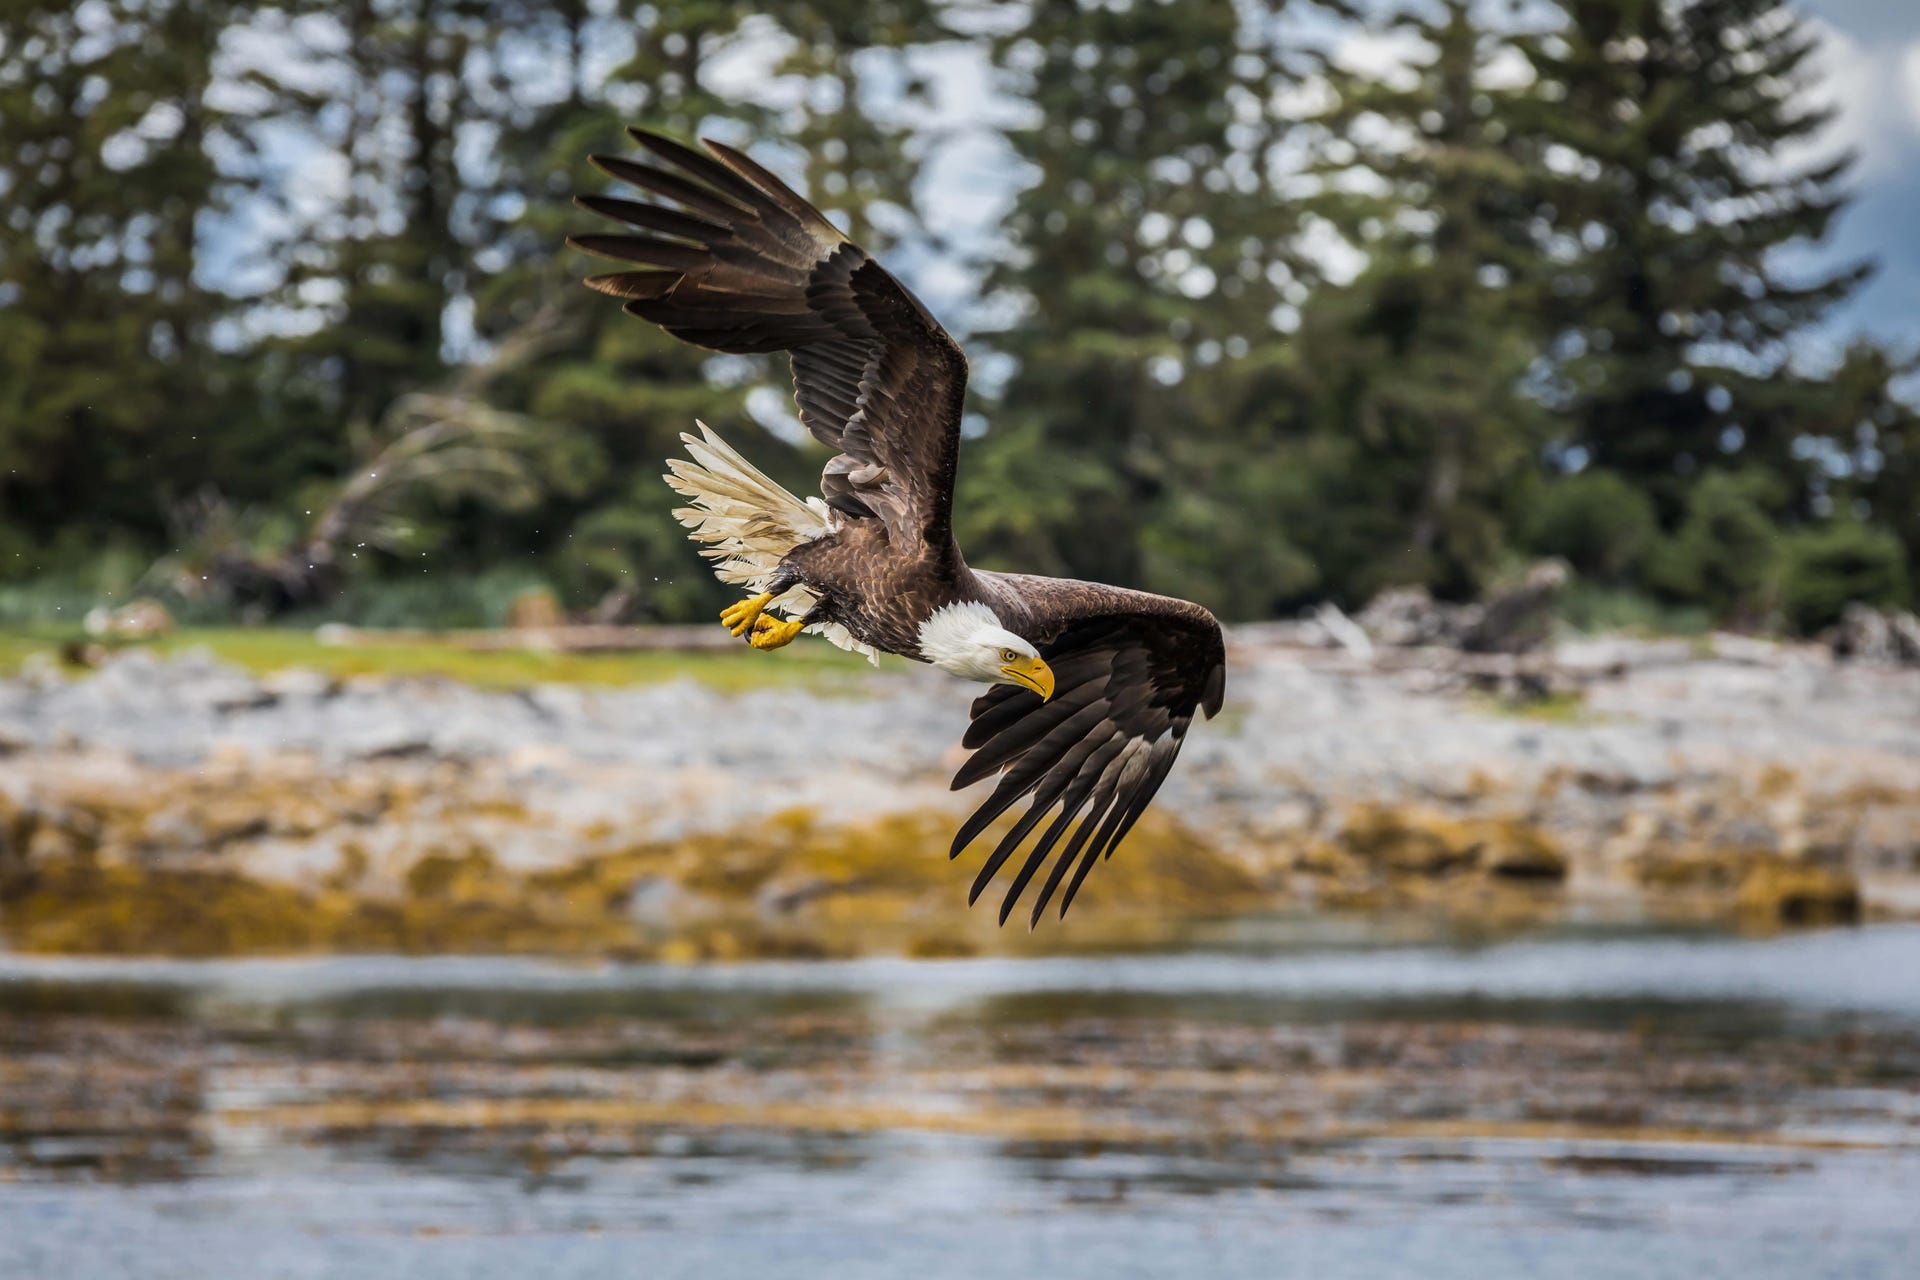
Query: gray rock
(1888, 637)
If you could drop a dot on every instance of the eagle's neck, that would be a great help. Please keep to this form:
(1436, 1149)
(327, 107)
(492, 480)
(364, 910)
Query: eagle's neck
(947, 634)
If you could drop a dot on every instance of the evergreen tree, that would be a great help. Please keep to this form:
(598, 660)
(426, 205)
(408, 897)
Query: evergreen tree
(1665, 130)
(1865, 447)
(113, 398)
(418, 81)
(1148, 266)
(617, 394)
(1572, 332)
(1422, 357)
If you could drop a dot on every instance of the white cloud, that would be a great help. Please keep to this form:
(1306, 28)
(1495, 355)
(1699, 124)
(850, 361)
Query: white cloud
(1876, 91)
(1910, 73)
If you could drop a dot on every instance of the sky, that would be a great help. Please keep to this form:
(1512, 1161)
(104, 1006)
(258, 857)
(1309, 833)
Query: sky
(1873, 55)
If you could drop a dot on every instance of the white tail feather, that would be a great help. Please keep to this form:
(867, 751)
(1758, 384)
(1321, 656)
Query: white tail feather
(747, 524)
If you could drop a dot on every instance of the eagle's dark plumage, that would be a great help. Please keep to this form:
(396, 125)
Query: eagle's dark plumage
(737, 262)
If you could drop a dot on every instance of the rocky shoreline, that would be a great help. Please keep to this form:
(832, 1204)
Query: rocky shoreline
(183, 806)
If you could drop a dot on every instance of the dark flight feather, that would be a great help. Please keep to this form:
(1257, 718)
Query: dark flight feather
(1140, 666)
(759, 269)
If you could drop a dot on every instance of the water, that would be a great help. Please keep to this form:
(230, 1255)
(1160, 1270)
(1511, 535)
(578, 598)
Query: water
(1286, 1098)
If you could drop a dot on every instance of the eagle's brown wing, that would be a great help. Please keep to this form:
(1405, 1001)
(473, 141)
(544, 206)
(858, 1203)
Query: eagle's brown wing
(1130, 670)
(745, 265)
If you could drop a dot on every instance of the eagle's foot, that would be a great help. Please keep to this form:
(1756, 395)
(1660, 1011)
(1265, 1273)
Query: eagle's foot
(739, 618)
(769, 633)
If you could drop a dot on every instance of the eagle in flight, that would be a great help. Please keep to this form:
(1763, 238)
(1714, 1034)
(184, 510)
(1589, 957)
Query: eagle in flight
(1091, 687)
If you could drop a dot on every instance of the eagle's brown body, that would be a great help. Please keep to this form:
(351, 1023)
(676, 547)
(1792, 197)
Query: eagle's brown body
(877, 590)
(882, 593)
(737, 262)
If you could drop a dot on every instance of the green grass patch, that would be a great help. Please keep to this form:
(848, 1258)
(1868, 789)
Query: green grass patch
(1595, 610)
(1552, 708)
(811, 662)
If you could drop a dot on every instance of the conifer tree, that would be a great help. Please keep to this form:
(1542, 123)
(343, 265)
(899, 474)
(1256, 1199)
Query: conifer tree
(114, 398)
(1148, 263)
(1669, 133)
(617, 394)
(1422, 356)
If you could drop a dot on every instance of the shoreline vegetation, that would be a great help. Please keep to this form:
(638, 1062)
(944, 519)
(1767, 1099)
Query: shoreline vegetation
(235, 793)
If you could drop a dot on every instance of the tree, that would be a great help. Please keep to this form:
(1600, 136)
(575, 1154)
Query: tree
(617, 396)
(1837, 564)
(1147, 264)
(1863, 441)
(1422, 356)
(113, 397)
(1725, 554)
(1667, 131)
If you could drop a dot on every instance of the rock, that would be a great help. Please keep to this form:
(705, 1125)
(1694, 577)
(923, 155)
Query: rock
(1408, 842)
(1791, 893)
(1340, 631)
(658, 902)
(16, 830)
(300, 684)
(1519, 618)
(1404, 617)
(1684, 770)
(1889, 637)
(1420, 842)
(784, 895)
(1517, 851)
(1906, 634)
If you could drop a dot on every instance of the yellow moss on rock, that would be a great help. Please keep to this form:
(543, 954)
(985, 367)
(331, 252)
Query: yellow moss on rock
(1420, 842)
(1781, 893)
(790, 886)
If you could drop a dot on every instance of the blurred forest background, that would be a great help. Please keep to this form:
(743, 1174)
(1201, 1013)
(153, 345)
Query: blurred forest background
(287, 329)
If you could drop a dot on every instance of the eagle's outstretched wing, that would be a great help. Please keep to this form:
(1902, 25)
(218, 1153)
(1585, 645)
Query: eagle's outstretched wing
(745, 265)
(1130, 670)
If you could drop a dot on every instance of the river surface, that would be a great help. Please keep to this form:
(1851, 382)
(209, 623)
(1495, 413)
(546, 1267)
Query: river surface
(1282, 1098)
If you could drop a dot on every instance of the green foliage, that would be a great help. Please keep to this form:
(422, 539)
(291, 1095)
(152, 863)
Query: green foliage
(1595, 520)
(1258, 329)
(1421, 357)
(1662, 139)
(432, 597)
(617, 549)
(1725, 554)
(1145, 263)
(112, 393)
(1832, 566)
(1586, 607)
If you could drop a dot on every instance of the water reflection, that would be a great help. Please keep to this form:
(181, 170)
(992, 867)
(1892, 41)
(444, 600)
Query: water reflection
(1337, 1098)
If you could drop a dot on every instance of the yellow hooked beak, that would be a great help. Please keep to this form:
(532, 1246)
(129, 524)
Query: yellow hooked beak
(1033, 673)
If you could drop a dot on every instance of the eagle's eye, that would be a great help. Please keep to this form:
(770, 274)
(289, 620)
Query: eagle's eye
(1008, 655)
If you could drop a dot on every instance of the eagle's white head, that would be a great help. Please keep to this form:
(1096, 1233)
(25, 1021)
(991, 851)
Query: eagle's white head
(968, 641)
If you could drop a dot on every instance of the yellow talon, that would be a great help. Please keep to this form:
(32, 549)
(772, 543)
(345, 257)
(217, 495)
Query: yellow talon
(769, 634)
(739, 618)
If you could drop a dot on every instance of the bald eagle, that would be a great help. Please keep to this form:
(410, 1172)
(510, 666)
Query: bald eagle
(1091, 687)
